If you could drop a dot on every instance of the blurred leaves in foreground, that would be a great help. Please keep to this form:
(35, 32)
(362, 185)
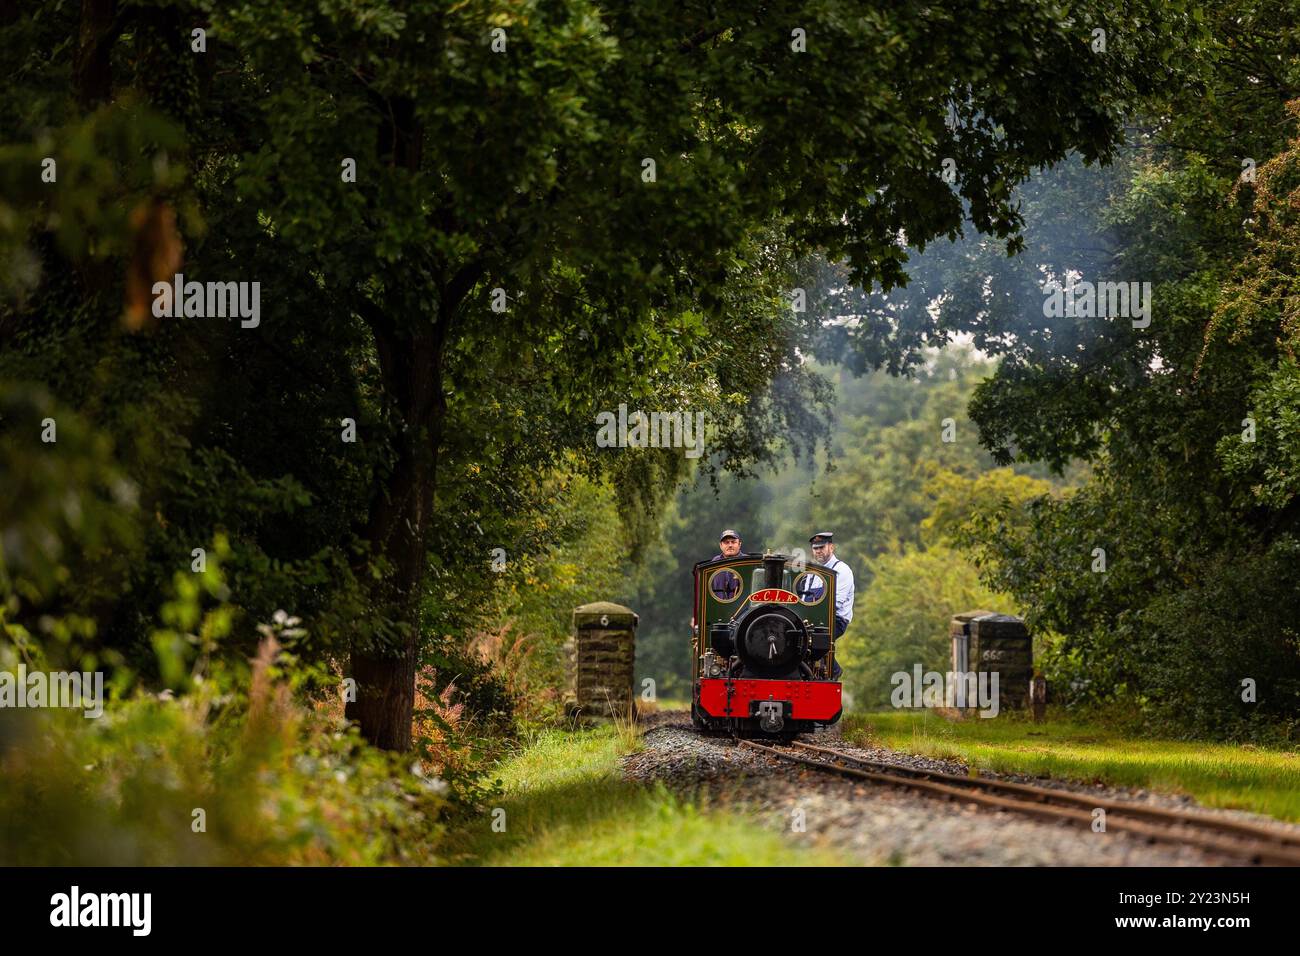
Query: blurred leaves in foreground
(232, 771)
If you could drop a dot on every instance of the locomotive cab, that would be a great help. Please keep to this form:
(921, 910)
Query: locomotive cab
(763, 646)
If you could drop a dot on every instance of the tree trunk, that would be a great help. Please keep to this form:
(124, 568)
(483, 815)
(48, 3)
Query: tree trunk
(92, 67)
(386, 677)
(400, 515)
(411, 356)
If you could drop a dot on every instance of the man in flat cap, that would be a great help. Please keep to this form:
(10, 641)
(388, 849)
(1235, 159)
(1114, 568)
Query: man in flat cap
(823, 549)
(729, 542)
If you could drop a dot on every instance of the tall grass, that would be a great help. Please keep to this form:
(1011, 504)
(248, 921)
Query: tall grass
(627, 729)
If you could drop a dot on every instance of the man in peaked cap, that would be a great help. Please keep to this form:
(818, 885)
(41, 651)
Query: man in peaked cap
(729, 542)
(823, 548)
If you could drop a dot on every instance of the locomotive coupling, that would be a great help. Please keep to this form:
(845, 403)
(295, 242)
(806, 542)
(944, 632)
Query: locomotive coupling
(770, 715)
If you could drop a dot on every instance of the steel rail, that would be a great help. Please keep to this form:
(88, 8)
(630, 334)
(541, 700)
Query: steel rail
(1237, 828)
(1253, 843)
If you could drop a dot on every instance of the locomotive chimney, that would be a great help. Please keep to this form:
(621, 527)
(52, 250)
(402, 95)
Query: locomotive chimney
(774, 569)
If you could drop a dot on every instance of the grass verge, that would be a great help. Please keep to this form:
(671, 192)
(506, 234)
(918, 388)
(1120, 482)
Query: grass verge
(1236, 776)
(565, 803)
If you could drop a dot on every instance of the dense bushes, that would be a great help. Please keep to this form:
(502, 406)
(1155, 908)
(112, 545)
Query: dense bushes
(1239, 622)
(1166, 629)
(233, 771)
(207, 778)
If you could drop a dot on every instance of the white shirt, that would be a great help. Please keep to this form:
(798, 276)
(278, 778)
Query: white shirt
(843, 589)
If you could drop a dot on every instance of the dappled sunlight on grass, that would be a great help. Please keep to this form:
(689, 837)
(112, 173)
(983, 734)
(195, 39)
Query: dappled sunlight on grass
(1237, 776)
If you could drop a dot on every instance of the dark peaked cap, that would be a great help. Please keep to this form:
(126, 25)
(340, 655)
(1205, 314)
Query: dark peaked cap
(822, 536)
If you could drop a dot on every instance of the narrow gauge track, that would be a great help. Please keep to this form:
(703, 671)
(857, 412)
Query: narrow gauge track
(1247, 841)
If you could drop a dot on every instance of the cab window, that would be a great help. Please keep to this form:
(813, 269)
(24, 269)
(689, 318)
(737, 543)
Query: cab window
(811, 587)
(725, 585)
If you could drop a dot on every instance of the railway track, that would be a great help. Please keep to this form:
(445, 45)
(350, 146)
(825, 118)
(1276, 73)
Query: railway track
(1245, 841)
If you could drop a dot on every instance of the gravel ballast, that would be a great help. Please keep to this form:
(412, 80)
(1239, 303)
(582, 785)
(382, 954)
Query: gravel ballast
(877, 824)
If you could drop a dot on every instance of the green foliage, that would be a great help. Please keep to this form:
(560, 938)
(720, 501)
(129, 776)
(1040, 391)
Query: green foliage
(1194, 520)
(275, 790)
(1223, 657)
(66, 517)
(959, 501)
(479, 171)
(893, 443)
(1267, 469)
(226, 770)
(902, 619)
(903, 610)
(1177, 647)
